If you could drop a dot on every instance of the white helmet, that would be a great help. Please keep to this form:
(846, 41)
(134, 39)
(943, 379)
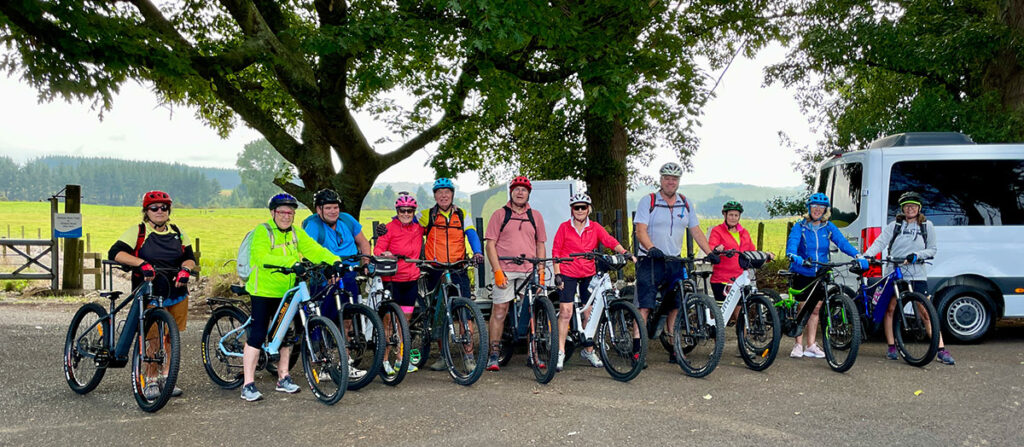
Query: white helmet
(580, 197)
(672, 168)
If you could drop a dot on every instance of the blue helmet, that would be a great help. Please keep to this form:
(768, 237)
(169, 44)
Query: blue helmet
(818, 198)
(444, 182)
(283, 199)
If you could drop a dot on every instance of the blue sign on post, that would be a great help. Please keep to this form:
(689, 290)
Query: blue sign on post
(67, 226)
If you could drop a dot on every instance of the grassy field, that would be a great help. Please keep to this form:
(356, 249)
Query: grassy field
(219, 231)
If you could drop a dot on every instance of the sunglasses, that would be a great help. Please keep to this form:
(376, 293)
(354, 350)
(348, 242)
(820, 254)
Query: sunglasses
(155, 208)
(580, 207)
(406, 210)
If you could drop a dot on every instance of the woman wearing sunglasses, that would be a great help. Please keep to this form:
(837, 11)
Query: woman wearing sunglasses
(577, 235)
(155, 242)
(403, 236)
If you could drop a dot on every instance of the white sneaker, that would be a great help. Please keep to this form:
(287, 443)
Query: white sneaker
(592, 357)
(388, 369)
(814, 351)
(353, 372)
(797, 352)
(561, 361)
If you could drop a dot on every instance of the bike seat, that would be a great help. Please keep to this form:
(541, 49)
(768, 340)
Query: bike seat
(112, 295)
(238, 289)
(703, 274)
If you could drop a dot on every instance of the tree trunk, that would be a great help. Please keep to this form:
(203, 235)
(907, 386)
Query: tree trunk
(1005, 73)
(605, 170)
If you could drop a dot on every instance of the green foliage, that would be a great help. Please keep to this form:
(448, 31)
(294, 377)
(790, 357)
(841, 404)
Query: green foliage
(258, 165)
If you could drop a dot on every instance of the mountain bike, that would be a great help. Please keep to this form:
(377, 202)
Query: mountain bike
(359, 323)
(698, 333)
(149, 332)
(613, 321)
(448, 314)
(532, 319)
(397, 344)
(324, 357)
(914, 324)
(838, 317)
(758, 330)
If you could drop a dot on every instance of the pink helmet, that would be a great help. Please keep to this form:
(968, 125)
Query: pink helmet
(405, 201)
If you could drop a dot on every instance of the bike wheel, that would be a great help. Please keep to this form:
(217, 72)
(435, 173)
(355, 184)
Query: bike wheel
(464, 343)
(840, 326)
(325, 360)
(508, 339)
(291, 338)
(420, 337)
(224, 370)
(157, 349)
(543, 342)
(87, 337)
(699, 341)
(364, 335)
(396, 342)
(615, 341)
(915, 327)
(758, 332)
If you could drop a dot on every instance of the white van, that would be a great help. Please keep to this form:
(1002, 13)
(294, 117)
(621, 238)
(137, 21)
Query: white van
(974, 195)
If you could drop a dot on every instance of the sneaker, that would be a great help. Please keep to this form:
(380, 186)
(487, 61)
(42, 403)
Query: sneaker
(492, 363)
(470, 362)
(814, 351)
(561, 362)
(287, 386)
(439, 365)
(151, 390)
(891, 354)
(945, 357)
(388, 370)
(672, 358)
(411, 369)
(797, 352)
(595, 361)
(250, 393)
(355, 373)
(636, 358)
(174, 393)
(529, 363)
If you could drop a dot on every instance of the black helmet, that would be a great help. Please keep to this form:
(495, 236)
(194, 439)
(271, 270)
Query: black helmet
(911, 197)
(325, 196)
(283, 199)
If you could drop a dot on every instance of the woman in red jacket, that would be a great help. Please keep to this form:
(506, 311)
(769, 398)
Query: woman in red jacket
(577, 235)
(404, 237)
(729, 235)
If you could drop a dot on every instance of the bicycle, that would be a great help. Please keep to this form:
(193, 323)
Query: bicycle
(538, 312)
(360, 324)
(92, 345)
(915, 323)
(613, 320)
(455, 319)
(838, 317)
(324, 357)
(698, 333)
(396, 327)
(758, 330)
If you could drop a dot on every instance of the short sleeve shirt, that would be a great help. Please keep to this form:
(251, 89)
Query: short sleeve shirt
(666, 226)
(340, 240)
(517, 238)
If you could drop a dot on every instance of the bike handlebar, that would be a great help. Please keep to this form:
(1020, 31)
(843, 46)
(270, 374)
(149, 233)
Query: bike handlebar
(437, 265)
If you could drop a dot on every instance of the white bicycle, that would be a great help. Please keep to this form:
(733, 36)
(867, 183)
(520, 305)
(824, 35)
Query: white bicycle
(758, 330)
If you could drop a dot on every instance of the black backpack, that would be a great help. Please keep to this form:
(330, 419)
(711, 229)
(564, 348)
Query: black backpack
(899, 229)
(432, 216)
(508, 217)
(142, 237)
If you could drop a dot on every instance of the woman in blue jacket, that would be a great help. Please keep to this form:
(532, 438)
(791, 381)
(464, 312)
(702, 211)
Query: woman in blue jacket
(809, 240)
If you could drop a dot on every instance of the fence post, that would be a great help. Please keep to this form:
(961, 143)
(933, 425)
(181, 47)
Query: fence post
(373, 230)
(600, 218)
(760, 236)
(636, 246)
(88, 242)
(72, 254)
(789, 227)
(198, 253)
(53, 244)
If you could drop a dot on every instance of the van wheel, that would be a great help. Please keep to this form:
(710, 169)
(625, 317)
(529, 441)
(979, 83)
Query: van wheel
(966, 314)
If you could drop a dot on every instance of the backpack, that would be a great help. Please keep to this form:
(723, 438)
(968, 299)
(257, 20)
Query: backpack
(899, 229)
(654, 199)
(432, 216)
(242, 266)
(508, 217)
(142, 237)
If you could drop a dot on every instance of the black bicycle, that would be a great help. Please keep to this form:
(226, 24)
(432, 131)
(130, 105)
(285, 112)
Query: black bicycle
(531, 317)
(838, 317)
(149, 331)
(698, 333)
(360, 324)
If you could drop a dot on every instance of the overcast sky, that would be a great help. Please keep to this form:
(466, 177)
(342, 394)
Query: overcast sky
(739, 141)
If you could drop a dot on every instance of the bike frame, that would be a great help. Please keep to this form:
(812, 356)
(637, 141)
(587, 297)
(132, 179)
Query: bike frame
(442, 301)
(896, 278)
(122, 346)
(295, 298)
(823, 278)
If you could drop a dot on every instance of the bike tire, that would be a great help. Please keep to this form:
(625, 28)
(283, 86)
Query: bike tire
(699, 349)
(225, 371)
(291, 338)
(420, 336)
(758, 342)
(461, 344)
(508, 340)
(325, 360)
(396, 341)
(82, 342)
(840, 327)
(543, 341)
(158, 320)
(615, 341)
(364, 352)
(917, 346)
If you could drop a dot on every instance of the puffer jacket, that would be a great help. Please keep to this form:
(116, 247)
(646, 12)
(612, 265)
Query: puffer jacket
(405, 240)
(812, 242)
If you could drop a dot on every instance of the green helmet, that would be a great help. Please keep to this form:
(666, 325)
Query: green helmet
(732, 205)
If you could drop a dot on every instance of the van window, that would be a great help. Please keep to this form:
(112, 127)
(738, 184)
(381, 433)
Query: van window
(962, 192)
(842, 184)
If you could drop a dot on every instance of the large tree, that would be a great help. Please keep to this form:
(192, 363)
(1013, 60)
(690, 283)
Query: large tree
(293, 70)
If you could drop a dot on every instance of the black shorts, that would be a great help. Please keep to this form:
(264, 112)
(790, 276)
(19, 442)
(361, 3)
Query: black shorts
(801, 282)
(920, 287)
(570, 285)
(652, 276)
(718, 289)
(263, 308)
(404, 293)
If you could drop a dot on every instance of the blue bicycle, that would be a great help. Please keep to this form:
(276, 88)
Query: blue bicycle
(914, 323)
(324, 357)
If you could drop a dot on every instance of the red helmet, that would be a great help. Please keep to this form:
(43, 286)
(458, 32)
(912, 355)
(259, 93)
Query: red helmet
(520, 181)
(152, 197)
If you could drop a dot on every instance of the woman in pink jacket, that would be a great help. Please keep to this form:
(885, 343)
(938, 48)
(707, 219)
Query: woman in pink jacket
(729, 235)
(577, 235)
(404, 237)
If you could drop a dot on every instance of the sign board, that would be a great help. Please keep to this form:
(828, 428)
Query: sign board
(67, 225)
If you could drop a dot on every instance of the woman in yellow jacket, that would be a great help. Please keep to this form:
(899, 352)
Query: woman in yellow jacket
(275, 243)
